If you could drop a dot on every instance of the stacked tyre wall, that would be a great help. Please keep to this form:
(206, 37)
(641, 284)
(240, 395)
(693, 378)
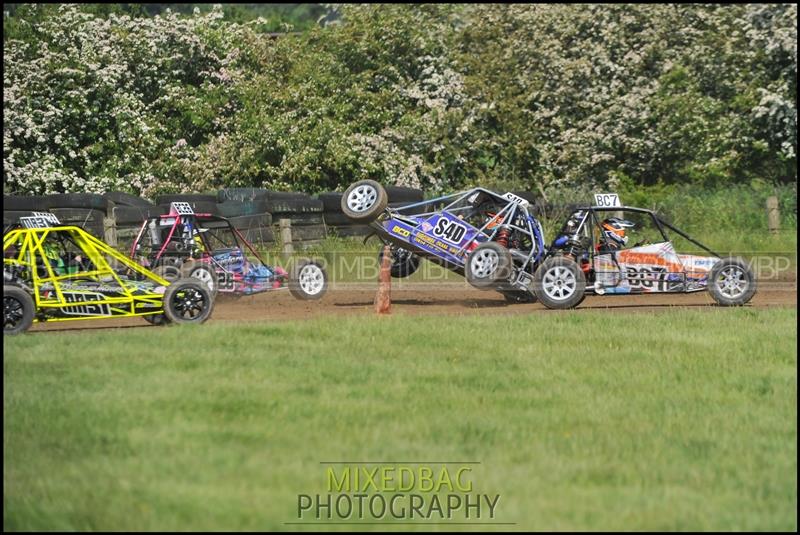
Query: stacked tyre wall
(257, 213)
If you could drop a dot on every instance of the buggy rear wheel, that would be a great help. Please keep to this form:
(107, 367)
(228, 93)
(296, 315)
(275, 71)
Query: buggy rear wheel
(488, 265)
(308, 280)
(731, 282)
(188, 301)
(202, 271)
(559, 283)
(364, 201)
(404, 263)
(18, 309)
(168, 272)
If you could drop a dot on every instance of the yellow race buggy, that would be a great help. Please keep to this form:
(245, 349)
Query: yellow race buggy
(63, 273)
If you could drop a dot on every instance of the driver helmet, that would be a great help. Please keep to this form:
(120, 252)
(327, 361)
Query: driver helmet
(614, 230)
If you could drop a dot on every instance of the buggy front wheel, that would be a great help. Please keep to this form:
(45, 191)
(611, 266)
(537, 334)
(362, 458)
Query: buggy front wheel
(731, 282)
(404, 263)
(188, 301)
(488, 265)
(364, 201)
(559, 283)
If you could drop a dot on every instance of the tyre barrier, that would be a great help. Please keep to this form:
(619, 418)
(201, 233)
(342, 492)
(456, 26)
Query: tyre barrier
(253, 211)
(43, 203)
(199, 207)
(239, 208)
(253, 194)
(186, 197)
(301, 219)
(85, 218)
(331, 201)
(351, 231)
(133, 215)
(120, 198)
(294, 205)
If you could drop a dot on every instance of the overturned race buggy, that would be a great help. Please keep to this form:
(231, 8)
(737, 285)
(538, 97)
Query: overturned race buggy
(610, 249)
(492, 239)
(62, 273)
(209, 248)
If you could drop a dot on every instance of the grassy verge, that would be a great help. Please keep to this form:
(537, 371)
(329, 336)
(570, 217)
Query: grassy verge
(671, 421)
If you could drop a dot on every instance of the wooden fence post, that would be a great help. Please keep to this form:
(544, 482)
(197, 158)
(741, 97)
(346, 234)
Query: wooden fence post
(110, 230)
(286, 235)
(773, 215)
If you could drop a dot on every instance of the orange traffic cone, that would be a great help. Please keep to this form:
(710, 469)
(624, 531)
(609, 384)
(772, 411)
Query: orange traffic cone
(383, 298)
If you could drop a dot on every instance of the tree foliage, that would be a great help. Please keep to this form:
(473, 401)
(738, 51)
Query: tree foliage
(437, 96)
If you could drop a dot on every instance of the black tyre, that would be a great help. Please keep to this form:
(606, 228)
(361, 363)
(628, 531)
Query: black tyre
(80, 200)
(241, 194)
(25, 203)
(518, 296)
(731, 282)
(402, 194)
(273, 195)
(202, 271)
(488, 265)
(351, 231)
(306, 219)
(188, 301)
(251, 221)
(88, 219)
(18, 309)
(404, 263)
(120, 198)
(308, 280)
(364, 201)
(11, 217)
(191, 198)
(336, 219)
(240, 208)
(169, 272)
(559, 283)
(126, 215)
(421, 209)
(156, 319)
(292, 205)
(331, 201)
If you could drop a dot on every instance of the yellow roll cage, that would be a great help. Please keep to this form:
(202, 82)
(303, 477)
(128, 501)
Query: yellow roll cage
(30, 243)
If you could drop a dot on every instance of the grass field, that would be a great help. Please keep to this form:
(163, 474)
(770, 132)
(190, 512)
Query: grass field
(675, 420)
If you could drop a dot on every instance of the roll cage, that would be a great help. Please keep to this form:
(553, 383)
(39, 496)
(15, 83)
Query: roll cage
(577, 221)
(181, 222)
(512, 215)
(25, 260)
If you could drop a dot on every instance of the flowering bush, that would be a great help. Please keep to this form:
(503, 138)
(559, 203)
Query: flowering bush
(437, 96)
(98, 103)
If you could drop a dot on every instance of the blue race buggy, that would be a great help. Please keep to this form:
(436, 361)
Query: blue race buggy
(492, 239)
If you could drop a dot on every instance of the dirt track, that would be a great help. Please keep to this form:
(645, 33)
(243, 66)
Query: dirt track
(426, 298)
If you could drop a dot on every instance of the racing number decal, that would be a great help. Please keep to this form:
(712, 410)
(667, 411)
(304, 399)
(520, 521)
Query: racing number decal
(88, 309)
(606, 200)
(225, 281)
(649, 279)
(449, 230)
